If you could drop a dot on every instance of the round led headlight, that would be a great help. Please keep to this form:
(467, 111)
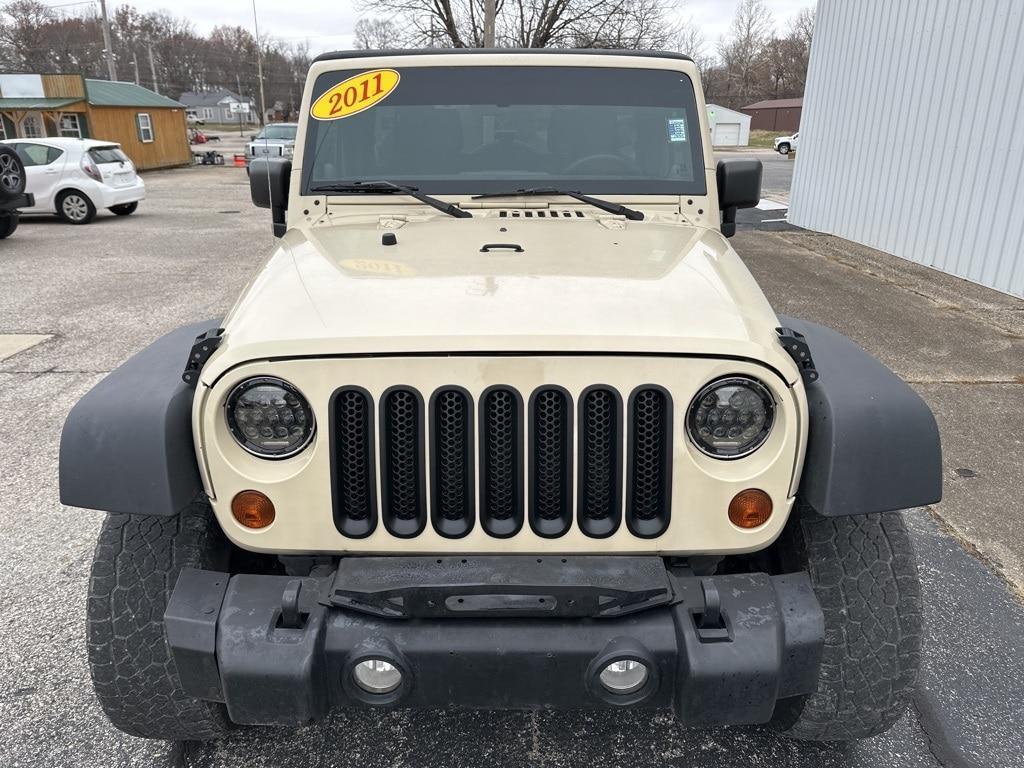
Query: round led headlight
(269, 418)
(730, 417)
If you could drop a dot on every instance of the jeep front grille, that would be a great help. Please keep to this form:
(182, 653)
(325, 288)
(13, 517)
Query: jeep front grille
(566, 456)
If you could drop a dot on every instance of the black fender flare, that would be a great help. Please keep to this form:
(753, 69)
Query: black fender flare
(873, 444)
(127, 445)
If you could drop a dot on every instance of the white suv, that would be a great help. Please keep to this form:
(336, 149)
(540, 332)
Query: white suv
(75, 177)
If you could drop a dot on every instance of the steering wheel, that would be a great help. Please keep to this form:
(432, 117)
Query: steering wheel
(602, 163)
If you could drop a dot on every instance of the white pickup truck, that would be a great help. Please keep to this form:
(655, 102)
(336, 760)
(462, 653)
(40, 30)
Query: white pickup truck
(786, 144)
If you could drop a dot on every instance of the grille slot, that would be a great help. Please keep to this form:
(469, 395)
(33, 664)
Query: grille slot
(451, 462)
(501, 461)
(650, 452)
(352, 470)
(402, 485)
(600, 461)
(550, 461)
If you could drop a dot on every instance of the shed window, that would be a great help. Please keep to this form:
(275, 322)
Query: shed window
(70, 126)
(32, 127)
(145, 127)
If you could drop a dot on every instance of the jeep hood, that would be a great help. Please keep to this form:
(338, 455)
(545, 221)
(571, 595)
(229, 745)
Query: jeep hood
(584, 284)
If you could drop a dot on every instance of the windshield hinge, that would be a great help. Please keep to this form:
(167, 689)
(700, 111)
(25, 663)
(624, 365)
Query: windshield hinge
(796, 347)
(206, 344)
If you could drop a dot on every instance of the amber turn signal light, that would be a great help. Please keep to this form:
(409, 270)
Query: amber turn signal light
(750, 508)
(253, 509)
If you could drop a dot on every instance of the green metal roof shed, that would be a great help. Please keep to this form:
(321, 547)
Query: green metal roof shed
(104, 93)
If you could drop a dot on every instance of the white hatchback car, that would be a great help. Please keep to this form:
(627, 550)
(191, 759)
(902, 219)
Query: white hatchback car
(75, 177)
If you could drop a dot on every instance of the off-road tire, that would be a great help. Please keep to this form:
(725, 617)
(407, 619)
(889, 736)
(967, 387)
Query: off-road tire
(125, 209)
(8, 223)
(12, 173)
(136, 565)
(865, 577)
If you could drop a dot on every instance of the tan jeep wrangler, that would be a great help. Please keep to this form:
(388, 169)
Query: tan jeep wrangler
(503, 422)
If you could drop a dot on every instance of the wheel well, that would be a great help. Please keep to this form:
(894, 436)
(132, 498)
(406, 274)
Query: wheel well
(72, 189)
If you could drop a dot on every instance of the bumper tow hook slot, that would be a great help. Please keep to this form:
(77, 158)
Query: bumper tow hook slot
(710, 621)
(291, 618)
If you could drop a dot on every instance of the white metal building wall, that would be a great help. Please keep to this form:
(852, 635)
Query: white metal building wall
(912, 134)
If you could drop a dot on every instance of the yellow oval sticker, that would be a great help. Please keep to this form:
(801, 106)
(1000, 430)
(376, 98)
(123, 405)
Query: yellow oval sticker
(352, 96)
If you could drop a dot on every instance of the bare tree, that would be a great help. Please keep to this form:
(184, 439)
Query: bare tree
(376, 34)
(802, 26)
(691, 41)
(24, 35)
(630, 24)
(534, 23)
(743, 51)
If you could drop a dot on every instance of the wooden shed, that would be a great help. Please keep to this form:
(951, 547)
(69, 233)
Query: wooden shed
(149, 127)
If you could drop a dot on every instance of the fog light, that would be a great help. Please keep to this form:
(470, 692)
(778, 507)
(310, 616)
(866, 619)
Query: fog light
(377, 676)
(624, 676)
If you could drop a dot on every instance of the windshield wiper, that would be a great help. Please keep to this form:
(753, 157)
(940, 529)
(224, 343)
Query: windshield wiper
(389, 186)
(604, 205)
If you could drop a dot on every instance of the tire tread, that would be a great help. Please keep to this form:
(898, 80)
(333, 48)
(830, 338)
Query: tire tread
(865, 576)
(136, 565)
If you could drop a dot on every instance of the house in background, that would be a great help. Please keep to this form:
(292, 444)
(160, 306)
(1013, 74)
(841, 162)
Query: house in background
(780, 115)
(149, 127)
(729, 128)
(215, 106)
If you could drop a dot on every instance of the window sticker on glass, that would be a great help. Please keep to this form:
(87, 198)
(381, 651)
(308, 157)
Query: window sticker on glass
(356, 94)
(676, 130)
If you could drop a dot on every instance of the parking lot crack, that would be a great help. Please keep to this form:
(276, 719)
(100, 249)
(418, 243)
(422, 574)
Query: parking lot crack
(936, 731)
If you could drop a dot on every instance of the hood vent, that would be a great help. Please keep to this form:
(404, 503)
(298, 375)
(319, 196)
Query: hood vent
(540, 213)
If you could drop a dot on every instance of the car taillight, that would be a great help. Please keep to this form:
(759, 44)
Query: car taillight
(90, 169)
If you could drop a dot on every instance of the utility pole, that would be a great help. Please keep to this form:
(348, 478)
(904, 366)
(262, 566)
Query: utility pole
(152, 68)
(238, 90)
(490, 11)
(107, 45)
(259, 64)
(135, 63)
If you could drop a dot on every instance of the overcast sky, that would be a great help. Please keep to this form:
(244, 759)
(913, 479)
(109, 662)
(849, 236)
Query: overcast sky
(328, 25)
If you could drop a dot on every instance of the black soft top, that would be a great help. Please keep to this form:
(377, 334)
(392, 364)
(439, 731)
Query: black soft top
(360, 54)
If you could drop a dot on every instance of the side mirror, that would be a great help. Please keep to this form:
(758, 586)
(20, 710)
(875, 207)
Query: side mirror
(739, 186)
(269, 181)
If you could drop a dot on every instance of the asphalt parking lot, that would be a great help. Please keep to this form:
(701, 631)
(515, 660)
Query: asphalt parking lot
(99, 293)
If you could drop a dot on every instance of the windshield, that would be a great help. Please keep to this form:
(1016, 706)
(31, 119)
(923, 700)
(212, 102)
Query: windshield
(280, 132)
(471, 130)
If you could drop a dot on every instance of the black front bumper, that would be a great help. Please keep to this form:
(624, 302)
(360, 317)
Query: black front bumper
(279, 649)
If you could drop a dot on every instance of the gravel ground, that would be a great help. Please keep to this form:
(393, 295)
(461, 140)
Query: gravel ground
(106, 290)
